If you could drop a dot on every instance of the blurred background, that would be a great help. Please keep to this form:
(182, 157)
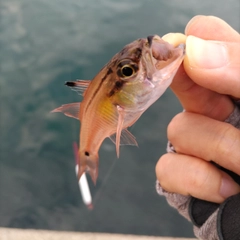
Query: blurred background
(44, 43)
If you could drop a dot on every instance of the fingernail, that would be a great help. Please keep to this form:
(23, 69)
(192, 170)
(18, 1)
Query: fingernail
(174, 38)
(192, 21)
(206, 54)
(228, 186)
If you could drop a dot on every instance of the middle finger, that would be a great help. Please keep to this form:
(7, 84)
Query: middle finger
(206, 138)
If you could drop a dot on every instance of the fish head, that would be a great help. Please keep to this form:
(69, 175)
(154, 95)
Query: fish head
(148, 58)
(145, 66)
(160, 60)
(126, 64)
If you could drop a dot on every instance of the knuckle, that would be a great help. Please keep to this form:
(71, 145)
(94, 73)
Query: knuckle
(160, 166)
(227, 144)
(174, 126)
(163, 170)
(199, 179)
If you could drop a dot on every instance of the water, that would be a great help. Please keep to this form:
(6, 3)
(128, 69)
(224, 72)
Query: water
(45, 43)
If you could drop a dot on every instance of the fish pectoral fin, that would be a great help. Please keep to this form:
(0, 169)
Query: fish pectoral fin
(126, 138)
(70, 110)
(79, 86)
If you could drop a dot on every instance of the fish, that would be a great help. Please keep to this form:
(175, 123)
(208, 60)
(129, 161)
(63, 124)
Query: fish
(119, 94)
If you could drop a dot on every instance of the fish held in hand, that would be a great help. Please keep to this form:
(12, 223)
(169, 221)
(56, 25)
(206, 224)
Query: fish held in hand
(118, 95)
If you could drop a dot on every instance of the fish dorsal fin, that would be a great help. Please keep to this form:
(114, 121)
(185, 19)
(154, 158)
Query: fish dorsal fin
(79, 86)
(126, 138)
(70, 110)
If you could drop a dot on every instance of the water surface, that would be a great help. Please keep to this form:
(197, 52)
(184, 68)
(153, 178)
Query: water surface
(45, 43)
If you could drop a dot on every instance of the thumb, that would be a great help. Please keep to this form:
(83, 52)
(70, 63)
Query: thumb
(214, 65)
(193, 97)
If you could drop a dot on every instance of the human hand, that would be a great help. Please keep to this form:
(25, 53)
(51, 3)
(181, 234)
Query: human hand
(210, 77)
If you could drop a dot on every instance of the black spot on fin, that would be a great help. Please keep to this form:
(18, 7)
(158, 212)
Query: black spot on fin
(70, 84)
(79, 86)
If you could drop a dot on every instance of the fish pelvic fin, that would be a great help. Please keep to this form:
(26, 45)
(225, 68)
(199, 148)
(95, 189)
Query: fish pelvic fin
(70, 110)
(88, 163)
(121, 115)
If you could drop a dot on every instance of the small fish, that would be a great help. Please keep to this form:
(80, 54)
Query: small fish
(118, 95)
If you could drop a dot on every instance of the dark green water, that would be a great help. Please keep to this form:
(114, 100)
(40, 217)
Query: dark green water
(44, 43)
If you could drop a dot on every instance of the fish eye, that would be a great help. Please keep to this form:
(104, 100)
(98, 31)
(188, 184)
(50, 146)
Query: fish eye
(127, 70)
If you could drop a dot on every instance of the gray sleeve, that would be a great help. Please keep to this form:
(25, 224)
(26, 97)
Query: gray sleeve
(208, 230)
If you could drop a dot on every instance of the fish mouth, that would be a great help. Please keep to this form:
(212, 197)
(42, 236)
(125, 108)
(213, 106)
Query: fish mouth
(159, 55)
(150, 39)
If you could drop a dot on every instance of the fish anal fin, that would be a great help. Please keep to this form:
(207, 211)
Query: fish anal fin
(126, 138)
(70, 110)
(79, 86)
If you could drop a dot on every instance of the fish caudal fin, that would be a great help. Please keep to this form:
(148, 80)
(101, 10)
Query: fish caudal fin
(86, 162)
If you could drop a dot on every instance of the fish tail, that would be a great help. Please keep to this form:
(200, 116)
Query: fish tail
(88, 163)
